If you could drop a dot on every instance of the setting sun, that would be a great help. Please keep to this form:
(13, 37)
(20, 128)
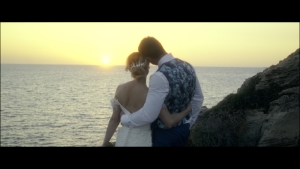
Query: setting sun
(215, 44)
(105, 60)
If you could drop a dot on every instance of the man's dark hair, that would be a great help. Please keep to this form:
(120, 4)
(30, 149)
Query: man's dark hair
(151, 47)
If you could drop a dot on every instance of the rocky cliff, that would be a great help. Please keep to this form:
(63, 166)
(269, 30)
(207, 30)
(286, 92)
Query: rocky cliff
(263, 113)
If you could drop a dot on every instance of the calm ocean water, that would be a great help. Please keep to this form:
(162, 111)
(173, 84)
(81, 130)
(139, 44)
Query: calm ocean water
(68, 105)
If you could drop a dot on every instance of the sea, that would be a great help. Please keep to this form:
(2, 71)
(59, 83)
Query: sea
(69, 105)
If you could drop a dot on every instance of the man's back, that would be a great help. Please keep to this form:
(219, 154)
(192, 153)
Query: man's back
(182, 79)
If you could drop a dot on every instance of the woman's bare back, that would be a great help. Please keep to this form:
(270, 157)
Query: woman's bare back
(132, 95)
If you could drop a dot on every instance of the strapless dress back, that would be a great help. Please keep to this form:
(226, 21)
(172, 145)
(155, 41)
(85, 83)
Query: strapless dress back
(132, 137)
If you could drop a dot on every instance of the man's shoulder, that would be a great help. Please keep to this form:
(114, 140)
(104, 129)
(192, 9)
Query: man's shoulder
(158, 78)
(156, 73)
(186, 62)
(174, 63)
(178, 61)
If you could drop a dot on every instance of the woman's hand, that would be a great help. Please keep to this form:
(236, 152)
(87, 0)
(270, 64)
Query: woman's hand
(189, 107)
(171, 119)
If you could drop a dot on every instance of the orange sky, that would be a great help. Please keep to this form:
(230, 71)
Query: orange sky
(99, 43)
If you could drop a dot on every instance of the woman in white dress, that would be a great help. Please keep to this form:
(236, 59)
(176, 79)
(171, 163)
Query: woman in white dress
(130, 97)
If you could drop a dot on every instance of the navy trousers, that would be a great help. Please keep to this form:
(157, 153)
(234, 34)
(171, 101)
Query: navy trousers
(173, 137)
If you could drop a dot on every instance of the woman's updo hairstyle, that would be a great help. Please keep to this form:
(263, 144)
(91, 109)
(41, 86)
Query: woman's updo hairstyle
(137, 65)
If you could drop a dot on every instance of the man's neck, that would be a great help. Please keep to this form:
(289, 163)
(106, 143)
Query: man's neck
(158, 59)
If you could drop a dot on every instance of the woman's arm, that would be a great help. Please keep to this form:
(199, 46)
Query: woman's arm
(112, 126)
(113, 123)
(171, 119)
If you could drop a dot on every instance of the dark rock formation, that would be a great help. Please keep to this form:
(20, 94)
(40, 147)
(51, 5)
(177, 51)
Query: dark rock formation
(281, 126)
(264, 112)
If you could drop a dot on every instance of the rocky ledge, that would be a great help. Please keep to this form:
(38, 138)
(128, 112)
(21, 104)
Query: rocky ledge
(263, 113)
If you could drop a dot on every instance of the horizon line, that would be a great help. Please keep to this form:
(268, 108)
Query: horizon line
(107, 66)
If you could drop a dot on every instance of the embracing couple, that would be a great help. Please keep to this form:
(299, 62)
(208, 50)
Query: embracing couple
(163, 114)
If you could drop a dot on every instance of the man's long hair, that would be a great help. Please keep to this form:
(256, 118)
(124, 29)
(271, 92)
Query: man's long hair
(151, 47)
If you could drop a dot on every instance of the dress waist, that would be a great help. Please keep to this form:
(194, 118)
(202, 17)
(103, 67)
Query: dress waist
(144, 127)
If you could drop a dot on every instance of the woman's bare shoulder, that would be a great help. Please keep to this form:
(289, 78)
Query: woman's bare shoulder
(123, 88)
(124, 85)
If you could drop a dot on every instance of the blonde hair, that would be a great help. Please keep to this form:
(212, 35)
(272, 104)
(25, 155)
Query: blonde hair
(137, 65)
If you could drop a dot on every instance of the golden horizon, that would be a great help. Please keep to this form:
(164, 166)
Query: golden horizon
(109, 44)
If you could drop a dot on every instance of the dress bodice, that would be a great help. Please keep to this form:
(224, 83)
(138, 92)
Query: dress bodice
(114, 103)
(131, 137)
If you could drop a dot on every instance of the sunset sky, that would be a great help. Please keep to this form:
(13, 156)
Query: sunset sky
(210, 44)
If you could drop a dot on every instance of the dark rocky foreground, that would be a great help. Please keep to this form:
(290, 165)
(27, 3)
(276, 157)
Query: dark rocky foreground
(263, 113)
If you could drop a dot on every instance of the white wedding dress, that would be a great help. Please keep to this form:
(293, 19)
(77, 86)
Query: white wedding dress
(132, 137)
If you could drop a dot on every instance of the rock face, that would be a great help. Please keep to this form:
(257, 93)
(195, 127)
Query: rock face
(268, 105)
(281, 126)
(251, 131)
